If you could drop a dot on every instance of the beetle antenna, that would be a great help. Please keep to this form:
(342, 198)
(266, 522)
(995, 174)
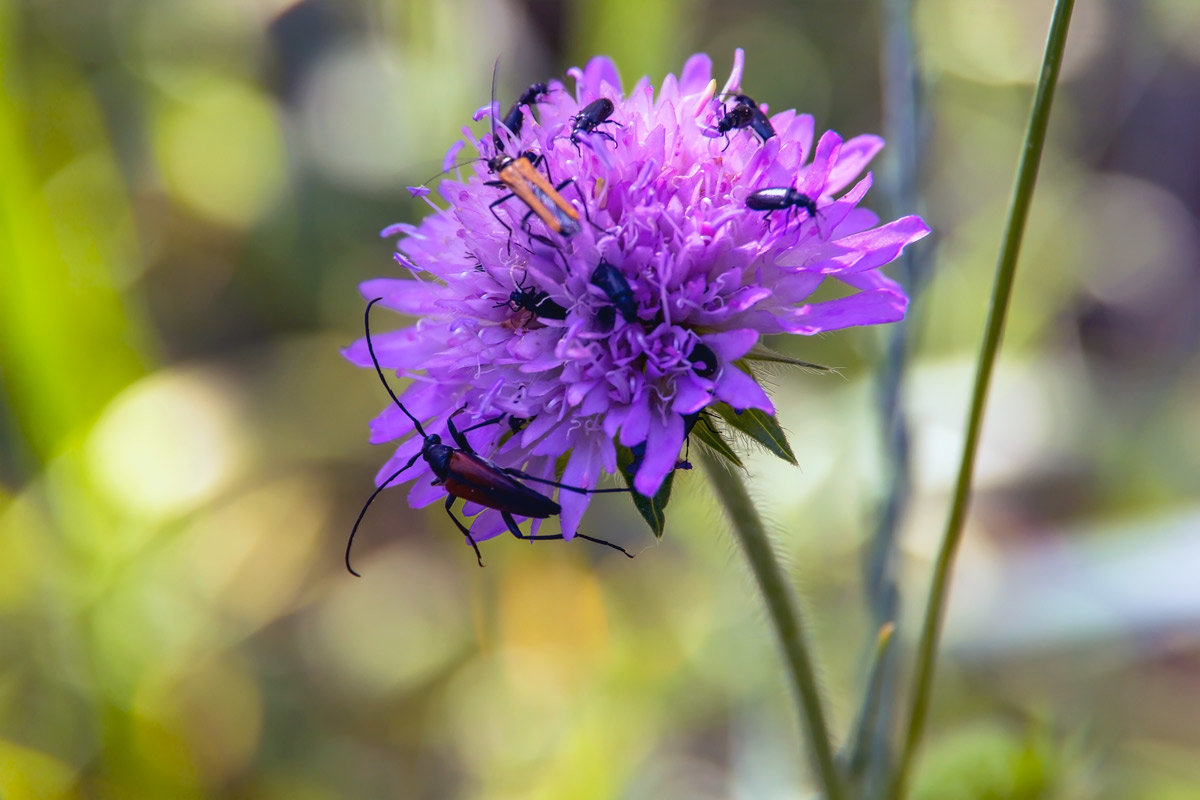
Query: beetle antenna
(425, 183)
(816, 218)
(493, 109)
(366, 505)
(379, 370)
(512, 276)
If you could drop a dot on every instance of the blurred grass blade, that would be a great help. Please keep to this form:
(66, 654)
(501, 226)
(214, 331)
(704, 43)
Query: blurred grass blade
(67, 341)
(1006, 268)
(855, 754)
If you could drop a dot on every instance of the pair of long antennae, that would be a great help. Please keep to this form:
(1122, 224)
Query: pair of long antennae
(388, 481)
(383, 379)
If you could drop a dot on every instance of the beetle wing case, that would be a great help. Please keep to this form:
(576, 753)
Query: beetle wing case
(478, 480)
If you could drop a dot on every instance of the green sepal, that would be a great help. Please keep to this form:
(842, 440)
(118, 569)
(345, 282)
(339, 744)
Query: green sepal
(762, 353)
(708, 434)
(652, 509)
(759, 426)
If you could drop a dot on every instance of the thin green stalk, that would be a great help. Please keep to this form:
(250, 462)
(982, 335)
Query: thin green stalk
(747, 525)
(1005, 272)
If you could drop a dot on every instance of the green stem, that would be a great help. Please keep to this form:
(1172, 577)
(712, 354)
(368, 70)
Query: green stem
(747, 525)
(1006, 267)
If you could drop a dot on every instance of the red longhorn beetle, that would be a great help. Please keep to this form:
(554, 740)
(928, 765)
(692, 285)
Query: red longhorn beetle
(465, 474)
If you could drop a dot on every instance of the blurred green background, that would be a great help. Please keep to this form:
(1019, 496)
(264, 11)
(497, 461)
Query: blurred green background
(190, 192)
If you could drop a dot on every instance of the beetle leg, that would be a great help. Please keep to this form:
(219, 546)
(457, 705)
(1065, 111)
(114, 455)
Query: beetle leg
(457, 435)
(606, 544)
(537, 237)
(450, 502)
(544, 537)
(597, 133)
(816, 218)
(525, 476)
(540, 161)
(582, 198)
(525, 222)
(491, 421)
(528, 229)
(492, 208)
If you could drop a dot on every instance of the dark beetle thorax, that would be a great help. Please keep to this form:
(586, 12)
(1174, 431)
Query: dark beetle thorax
(437, 455)
(740, 117)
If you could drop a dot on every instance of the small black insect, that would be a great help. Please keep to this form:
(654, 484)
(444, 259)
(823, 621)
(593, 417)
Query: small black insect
(515, 118)
(781, 197)
(610, 281)
(744, 114)
(594, 114)
(758, 120)
(739, 117)
(528, 298)
(704, 360)
(465, 474)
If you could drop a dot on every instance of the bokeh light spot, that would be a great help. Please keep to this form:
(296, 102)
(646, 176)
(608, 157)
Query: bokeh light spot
(1140, 239)
(250, 557)
(221, 152)
(568, 634)
(359, 117)
(427, 623)
(166, 443)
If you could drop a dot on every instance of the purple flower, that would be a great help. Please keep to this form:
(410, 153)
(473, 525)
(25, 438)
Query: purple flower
(708, 277)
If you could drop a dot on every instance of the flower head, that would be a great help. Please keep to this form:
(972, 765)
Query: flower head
(620, 328)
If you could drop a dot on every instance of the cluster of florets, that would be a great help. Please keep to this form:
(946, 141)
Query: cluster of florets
(702, 223)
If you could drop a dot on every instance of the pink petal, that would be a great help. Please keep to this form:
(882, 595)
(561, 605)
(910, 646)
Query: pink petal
(731, 345)
(864, 308)
(696, 74)
(855, 154)
(583, 470)
(741, 391)
(662, 451)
